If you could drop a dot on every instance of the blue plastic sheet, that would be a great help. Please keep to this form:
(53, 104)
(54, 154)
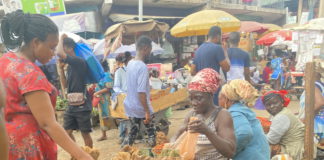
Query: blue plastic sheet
(96, 72)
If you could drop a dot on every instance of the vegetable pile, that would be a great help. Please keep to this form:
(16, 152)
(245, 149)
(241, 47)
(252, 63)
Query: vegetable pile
(61, 104)
(156, 153)
(265, 124)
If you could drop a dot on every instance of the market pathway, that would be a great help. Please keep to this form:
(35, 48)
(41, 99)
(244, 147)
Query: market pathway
(110, 147)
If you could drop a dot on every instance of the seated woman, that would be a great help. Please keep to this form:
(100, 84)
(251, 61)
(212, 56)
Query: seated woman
(155, 81)
(216, 139)
(251, 142)
(286, 129)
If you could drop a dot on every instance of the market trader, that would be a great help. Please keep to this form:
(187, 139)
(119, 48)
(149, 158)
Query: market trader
(211, 55)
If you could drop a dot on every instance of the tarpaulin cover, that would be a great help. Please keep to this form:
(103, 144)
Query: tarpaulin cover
(96, 72)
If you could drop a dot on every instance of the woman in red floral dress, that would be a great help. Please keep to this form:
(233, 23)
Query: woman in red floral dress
(30, 100)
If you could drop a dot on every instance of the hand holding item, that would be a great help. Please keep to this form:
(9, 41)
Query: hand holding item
(60, 49)
(96, 94)
(197, 126)
(147, 118)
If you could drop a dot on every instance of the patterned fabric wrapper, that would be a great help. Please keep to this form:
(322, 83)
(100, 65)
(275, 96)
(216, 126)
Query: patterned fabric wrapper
(206, 80)
(240, 90)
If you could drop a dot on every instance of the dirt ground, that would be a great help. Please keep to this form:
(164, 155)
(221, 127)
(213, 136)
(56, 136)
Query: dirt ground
(110, 147)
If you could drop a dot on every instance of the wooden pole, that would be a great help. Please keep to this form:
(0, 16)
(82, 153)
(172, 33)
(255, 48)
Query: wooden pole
(300, 10)
(309, 110)
(321, 9)
(61, 78)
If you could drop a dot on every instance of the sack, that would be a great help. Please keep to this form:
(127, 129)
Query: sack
(96, 72)
(76, 99)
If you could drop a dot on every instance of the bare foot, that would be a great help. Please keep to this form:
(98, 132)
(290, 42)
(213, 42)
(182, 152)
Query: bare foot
(102, 139)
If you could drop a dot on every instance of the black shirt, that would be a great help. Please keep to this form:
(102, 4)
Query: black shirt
(76, 80)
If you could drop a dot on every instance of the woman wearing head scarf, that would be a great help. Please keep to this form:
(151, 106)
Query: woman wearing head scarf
(251, 143)
(216, 138)
(286, 129)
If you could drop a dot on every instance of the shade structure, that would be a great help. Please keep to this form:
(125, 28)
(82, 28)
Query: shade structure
(251, 26)
(314, 24)
(272, 27)
(133, 27)
(199, 23)
(156, 50)
(270, 38)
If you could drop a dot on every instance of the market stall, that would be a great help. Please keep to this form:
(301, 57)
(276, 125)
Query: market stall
(161, 100)
(194, 28)
(121, 37)
(127, 32)
(199, 23)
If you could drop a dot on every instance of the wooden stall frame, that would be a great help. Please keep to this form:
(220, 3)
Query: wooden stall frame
(59, 71)
(309, 111)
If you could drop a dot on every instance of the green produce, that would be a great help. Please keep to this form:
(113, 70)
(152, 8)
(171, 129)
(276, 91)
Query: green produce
(61, 104)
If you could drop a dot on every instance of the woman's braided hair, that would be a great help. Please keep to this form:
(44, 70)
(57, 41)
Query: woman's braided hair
(18, 29)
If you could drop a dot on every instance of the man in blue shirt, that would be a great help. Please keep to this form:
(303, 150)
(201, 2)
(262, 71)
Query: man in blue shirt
(137, 103)
(240, 60)
(211, 55)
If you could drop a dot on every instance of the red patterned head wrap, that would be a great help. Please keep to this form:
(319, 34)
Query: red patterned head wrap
(282, 94)
(206, 80)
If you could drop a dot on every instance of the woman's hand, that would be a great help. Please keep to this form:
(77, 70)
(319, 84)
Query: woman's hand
(96, 94)
(197, 126)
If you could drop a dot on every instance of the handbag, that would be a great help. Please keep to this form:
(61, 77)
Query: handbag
(76, 99)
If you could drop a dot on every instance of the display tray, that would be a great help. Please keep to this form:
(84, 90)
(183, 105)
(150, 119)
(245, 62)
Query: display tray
(160, 100)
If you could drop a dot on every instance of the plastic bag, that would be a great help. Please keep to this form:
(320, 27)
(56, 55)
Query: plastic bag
(96, 72)
(187, 147)
(185, 144)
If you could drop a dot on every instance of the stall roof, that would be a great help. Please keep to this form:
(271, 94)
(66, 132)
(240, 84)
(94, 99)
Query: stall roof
(133, 27)
(116, 17)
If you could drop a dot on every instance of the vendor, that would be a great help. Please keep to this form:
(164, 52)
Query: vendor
(215, 125)
(286, 129)
(155, 81)
(251, 143)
